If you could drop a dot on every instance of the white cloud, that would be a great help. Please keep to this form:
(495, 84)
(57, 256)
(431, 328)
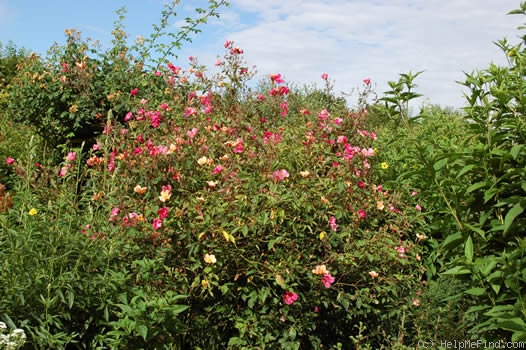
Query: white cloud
(355, 39)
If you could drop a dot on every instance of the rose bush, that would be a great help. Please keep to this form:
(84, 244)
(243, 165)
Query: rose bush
(206, 214)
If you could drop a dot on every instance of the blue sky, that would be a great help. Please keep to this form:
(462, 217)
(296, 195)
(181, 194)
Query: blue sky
(301, 39)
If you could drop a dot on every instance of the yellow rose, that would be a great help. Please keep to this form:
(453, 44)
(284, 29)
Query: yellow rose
(373, 274)
(320, 270)
(210, 259)
(165, 195)
(139, 189)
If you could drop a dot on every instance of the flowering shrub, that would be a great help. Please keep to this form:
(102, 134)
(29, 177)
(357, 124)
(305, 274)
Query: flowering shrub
(208, 215)
(72, 89)
(239, 202)
(14, 340)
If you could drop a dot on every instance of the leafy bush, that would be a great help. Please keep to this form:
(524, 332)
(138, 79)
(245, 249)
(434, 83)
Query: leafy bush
(10, 57)
(66, 95)
(469, 174)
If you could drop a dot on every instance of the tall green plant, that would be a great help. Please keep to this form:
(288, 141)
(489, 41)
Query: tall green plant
(396, 101)
(494, 243)
(476, 199)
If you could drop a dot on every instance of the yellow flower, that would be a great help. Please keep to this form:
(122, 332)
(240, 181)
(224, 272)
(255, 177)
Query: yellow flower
(320, 270)
(204, 283)
(384, 165)
(32, 212)
(202, 161)
(165, 195)
(139, 189)
(73, 109)
(97, 196)
(373, 274)
(210, 259)
(212, 184)
(380, 205)
(322, 235)
(171, 149)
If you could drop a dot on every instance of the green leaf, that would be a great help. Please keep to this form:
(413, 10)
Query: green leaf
(476, 186)
(465, 170)
(142, 330)
(280, 281)
(513, 324)
(475, 291)
(515, 12)
(452, 241)
(439, 164)
(500, 311)
(487, 266)
(515, 211)
(477, 230)
(489, 194)
(468, 250)
(235, 341)
(457, 270)
(518, 336)
(477, 309)
(71, 298)
(515, 150)
(177, 309)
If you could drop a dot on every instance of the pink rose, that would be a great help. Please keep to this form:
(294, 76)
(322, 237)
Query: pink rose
(289, 298)
(327, 280)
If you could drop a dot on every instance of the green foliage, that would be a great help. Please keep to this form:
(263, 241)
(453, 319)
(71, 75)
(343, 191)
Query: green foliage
(395, 106)
(469, 174)
(10, 57)
(494, 250)
(65, 95)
